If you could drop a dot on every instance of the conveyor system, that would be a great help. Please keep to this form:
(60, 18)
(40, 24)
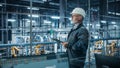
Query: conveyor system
(53, 59)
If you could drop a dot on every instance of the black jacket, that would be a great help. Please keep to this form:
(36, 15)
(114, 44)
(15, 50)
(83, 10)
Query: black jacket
(77, 42)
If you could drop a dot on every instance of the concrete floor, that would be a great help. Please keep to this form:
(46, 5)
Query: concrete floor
(46, 64)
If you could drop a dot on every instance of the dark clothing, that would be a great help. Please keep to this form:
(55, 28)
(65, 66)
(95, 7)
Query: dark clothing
(77, 46)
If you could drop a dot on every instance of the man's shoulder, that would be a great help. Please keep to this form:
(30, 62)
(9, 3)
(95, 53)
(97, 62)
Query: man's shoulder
(83, 29)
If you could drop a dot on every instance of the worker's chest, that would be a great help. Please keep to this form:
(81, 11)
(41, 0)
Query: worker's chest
(73, 36)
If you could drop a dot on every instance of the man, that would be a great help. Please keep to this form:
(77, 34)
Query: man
(77, 41)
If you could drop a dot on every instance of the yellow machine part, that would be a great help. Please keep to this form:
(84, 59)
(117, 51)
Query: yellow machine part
(13, 51)
(111, 48)
(37, 51)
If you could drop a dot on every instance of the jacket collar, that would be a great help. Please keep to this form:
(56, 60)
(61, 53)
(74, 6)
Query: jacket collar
(80, 25)
(76, 26)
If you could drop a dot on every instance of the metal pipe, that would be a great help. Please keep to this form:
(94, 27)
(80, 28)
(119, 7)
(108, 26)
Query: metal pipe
(30, 27)
(26, 44)
(2, 25)
(27, 6)
(6, 27)
(29, 13)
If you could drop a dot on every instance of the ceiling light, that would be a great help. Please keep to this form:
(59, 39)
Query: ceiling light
(113, 13)
(44, 0)
(55, 17)
(28, 20)
(113, 22)
(109, 12)
(11, 20)
(33, 15)
(0, 4)
(33, 21)
(25, 19)
(89, 24)
(103, 21)
(97, 25)
(33, 8)
(115, 25)
(117, 13)
(47, 22)
(95, 37)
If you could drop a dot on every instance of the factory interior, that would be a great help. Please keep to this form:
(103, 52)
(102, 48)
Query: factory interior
(28, 29)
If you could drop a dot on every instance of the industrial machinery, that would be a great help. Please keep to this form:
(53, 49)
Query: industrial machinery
(111, 48)
(98, 46)
(14, 51)
(38, 51)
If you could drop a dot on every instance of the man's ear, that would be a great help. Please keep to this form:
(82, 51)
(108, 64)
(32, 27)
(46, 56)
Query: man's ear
(82, 18)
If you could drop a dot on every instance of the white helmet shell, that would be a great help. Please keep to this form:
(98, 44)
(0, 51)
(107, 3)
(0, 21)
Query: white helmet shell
(79, 11)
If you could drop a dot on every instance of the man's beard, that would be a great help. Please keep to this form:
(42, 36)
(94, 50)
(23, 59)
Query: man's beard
(75, 22)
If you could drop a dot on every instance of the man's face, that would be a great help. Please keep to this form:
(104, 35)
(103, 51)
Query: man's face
(76, 18)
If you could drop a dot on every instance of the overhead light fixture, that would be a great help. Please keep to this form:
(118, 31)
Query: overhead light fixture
(33, 21)
(34, 15)
(115, 25)
(117, 13)
(93, 9)
(25, 19)
(33, 8)
(114, 13)
(47, 22)
(95, 37)
(0, 4)
(111, 12)
(57, 4)
(45, 0)
(113, 22)
(11, 20)
(89, 24)
(55, 17)
(97, 25)
(103, 21)
(28, 20)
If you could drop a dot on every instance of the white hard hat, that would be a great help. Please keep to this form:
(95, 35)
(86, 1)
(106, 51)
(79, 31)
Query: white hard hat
(79, 11)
